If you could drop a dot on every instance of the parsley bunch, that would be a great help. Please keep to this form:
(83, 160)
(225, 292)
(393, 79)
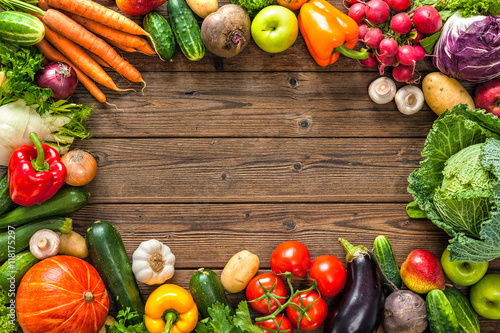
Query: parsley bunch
(222, 321)
(120, 326)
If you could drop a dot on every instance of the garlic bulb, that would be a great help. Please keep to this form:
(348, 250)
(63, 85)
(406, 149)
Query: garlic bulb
(153, 262)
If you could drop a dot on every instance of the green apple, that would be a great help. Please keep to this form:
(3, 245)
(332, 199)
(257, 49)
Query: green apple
(485, 296)
(462, 273)
(275, 29)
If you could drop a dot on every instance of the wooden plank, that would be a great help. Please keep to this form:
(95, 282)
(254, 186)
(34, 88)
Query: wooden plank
(252, 170)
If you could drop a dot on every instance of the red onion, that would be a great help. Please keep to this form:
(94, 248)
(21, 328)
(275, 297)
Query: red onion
(59, 77)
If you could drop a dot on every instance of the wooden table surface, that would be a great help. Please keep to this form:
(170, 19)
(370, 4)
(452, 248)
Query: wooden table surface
(222, 155)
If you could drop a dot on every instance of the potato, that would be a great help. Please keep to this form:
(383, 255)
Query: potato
(73, 244)
(239, 270)
(203, 7)
(442, 92)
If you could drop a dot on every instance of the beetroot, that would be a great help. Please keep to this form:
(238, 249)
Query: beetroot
(427, 19)
(377, 11)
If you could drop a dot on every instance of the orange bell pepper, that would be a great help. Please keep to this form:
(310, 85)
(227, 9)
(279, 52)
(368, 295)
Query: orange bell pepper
(328, 32)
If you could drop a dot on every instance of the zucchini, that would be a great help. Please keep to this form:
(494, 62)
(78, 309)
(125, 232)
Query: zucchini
(5, 200)
(110, 259)
(162, 36)
(20, 28)
(207, 289)
(18, 239)
(468, 321)
(15, 268)
(66, 201)
(186, 30)
(442, 318)
(387, 260)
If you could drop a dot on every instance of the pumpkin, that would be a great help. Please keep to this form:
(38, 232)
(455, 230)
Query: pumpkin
(62, 294)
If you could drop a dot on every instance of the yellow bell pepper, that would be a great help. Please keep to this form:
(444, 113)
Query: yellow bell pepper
(170, 309)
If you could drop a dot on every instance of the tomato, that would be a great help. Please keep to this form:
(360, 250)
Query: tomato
(254, 291)
(291, 256)
(292, 4)
(317, 312)
(284, 325)
(329, 273)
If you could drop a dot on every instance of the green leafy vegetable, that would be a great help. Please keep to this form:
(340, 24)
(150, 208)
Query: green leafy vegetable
(457, 185)
(467, 8)
(8, 322)
(120, 326)
(252, 6)
(222, 321)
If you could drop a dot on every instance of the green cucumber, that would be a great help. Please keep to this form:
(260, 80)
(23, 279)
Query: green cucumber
(161, 34)
(5, 200)
(468, 321)
(186, 30)
(66, 201)
(385, 256)
(207, 289)
(20, 28)
(17, 239)
(442, 318)
(110, 259)
(13, 270)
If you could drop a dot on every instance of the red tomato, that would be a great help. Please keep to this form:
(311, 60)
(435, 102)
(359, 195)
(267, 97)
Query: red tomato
(291, 256)
(329, 273)
(317, 312)
(254, 291)
(284, 325)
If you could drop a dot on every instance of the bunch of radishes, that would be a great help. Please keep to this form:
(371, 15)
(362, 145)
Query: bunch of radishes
(393, 35)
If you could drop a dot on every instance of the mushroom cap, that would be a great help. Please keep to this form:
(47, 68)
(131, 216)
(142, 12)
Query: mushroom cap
(409, 99)
(44, 244)
(382, 90)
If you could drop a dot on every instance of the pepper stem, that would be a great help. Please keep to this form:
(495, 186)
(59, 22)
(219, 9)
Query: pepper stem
(353, 252)
(39, 163)
(170, 318)
(360, 55)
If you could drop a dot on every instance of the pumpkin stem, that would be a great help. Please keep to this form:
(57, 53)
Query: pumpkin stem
(88, 296)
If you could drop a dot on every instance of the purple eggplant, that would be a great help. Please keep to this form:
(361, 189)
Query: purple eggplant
(361, 305)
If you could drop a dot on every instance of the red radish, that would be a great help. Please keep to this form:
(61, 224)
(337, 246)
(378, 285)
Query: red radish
(418, 36)
(351, 1)
(406, 55)
(401, 23)
(377, 11)
(373, 38)
(398, 5)
(388, 47)
(420, 52)
(427, 19)
(369, 62)
(357, 12)
(385, 60)
(402, 73)
(363, 29)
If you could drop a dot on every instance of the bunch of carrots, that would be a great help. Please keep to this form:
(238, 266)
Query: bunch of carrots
(79, 33)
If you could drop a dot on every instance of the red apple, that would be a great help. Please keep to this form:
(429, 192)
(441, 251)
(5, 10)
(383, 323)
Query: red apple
(421, 272)
(488, 96)
(138, 7)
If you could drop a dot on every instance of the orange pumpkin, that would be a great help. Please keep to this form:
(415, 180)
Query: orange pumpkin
(62, 294)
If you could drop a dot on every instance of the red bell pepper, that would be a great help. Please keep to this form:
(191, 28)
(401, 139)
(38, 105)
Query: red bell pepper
(35, 173)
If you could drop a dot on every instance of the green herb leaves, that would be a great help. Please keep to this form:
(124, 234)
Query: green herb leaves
(222, 321)
(120, 326)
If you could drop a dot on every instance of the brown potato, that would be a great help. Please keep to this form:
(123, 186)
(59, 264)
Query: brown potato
(239, 270)
(203, 7)
(73, 244)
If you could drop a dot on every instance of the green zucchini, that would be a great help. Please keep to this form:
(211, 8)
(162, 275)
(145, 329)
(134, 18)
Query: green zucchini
(5, 200)
(442, 318)
(66, 201)
(186, 30)
(110, 259)
(387, 260)
(207, 289)
(18, 239)
(161, 34)
(20, 28)
(13, 270)
(468, 321)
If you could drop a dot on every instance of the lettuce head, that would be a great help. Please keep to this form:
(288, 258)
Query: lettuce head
(457, 185)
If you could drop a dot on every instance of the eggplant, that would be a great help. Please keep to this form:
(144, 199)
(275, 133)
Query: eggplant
(361, 305)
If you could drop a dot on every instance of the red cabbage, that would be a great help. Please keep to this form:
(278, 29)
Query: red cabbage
(469, 48)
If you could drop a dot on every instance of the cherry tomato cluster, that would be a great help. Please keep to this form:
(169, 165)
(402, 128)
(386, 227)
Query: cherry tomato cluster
(307, 309)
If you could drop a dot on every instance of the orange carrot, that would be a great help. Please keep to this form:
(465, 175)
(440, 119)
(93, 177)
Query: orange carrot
(98, 59)
(68, 28)
(120, 46)
(53, 55)
(147, 49)
(99, 13)
(42, 4)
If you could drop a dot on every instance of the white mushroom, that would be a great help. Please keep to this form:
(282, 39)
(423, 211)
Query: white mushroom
(409, 99)
(44, 244)
(382, 90)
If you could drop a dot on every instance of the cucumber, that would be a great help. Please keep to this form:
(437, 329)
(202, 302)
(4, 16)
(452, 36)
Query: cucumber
(207, 289)
(66, 201)
(110, 259)
(442, 318)
(385, 256)
(18, 239)
(186, 30)
(20, 28)
(15, 268)
(468, 321)
(5, 200)
(161, 34)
